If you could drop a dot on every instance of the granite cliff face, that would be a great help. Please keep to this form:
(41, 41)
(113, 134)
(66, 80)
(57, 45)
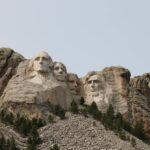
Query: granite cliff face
(141, 101)
(9, 61)
(33, 87)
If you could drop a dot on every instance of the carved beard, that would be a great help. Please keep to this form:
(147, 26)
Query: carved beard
(95, 94)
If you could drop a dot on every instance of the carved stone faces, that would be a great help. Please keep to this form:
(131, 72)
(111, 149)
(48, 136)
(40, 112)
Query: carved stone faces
(73, 83)
(42, 62)
(60, 71)
(39, 69)
(93, 83)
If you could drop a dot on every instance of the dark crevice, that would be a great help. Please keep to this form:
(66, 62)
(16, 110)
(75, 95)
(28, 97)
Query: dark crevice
(5, 67)
(4, 71)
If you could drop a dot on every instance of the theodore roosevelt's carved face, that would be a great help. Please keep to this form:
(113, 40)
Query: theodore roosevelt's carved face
(60, 71)
(73, 82)
(42, 62)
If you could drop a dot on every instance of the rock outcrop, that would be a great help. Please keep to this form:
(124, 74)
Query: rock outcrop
(141, 100)
(33, 87)
(33, 90)
(9, 61)
(109, 86)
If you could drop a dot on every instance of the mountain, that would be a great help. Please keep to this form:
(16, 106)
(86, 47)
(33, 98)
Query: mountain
(40, 87)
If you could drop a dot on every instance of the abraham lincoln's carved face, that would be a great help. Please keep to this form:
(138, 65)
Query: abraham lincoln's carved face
(94, 83)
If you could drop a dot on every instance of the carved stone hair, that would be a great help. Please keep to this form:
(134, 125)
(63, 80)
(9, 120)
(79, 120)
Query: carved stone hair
(30, 64)
(89, 75)
(65, 69)
(72, 76)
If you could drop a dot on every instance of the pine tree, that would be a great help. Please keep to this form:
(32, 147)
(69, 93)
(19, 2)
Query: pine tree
(110, 117)
(118, 122)
(55, 147)
(2, 143)
(82, 101)
(138, 130)
(31, 144)
(92, 108)
(74, 107)
(13, 144)
(59, 111)
(51, 119)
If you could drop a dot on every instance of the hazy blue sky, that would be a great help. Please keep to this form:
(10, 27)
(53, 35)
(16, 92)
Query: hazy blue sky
(84, 34)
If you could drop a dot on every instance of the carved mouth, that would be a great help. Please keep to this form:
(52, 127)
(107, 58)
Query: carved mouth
(94, 89)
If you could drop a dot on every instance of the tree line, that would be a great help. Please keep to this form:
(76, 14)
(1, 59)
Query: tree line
(111, 120)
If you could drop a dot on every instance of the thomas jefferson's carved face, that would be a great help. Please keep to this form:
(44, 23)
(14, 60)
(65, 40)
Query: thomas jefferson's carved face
(94, 83)
(42, 62)
(60, 71)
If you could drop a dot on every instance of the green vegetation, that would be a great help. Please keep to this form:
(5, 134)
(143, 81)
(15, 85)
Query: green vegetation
(7, 144)
(57, 110)
(55, 147)
(28, 128)
(50, 119)
(114, 121)
(6, 117)
(82, 101)
(74, 107)
(24, 126)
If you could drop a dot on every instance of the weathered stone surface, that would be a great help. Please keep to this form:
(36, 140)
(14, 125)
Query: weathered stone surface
(141, 100)
(34, 87)
(9, 60)
(30, 87)
(109, 86)
(74, 85)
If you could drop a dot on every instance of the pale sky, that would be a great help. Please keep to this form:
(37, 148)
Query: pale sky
(85, 35)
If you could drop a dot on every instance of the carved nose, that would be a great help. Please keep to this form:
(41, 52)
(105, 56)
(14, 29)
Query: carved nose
(92, 85)
(75, 84)
(60, 71)
(40, 61)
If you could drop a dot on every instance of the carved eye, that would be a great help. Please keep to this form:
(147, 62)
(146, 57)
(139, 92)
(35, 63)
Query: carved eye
(123, 75)
(96, 81)
(89, 82)
(56, 68)
(37, 58)
(44, 59)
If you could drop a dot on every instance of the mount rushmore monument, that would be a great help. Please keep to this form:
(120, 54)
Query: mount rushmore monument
(32, 86)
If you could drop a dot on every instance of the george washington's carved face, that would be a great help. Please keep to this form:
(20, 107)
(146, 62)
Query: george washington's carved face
(60, 71)
(42, 62)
